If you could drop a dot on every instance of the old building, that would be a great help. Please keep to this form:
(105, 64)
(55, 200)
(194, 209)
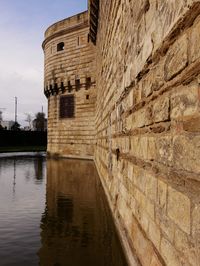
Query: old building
(143, 122)
(70, 87)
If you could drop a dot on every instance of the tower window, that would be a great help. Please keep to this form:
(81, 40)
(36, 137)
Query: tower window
(88, 82)
(60, 46)
(78, 84)
(67, 106)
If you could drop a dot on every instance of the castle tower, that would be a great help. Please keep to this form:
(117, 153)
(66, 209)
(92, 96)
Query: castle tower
(69, 85)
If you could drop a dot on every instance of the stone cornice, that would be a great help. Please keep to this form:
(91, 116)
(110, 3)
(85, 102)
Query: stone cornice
(65, 31)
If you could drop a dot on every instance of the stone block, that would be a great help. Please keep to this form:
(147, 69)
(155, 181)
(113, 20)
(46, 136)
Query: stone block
(141, 199)
(164, 152)
(162, 195)
(194, 42)
(150, 209)
(147, 47)
(128, 123)
(139, 146)
(185, 247)
(155, 261)
(146, 87)
(153, 81)
(154, 234)
(176, 59)
(196, 221)
(161, 110)
(169, 253)
(139, 178)
(178, 209)
(151, 186)
(151, 148)
(167, 227)
(142, 245)
(186, 153)
(144, 220)
(130, 171)
(184, 101)
(148, 115)
(192, 124)
(139, 119)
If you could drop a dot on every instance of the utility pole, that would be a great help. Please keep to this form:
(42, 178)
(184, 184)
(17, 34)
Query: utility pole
(15, 109)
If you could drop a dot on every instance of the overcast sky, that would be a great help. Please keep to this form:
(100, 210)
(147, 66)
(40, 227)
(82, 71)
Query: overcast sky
(22, 26)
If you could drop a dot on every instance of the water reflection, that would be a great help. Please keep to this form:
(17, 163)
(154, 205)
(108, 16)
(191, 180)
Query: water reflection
(77, 228)
(73, 228)
(14, 176)
(21, 203)
(39, 169)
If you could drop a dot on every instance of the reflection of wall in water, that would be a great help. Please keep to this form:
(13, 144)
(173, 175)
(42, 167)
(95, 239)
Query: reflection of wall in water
(76, 225)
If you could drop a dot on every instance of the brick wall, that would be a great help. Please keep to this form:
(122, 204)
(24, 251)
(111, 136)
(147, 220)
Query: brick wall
(148, 125)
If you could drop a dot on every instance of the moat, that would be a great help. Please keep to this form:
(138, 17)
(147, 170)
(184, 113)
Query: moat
(54, 213)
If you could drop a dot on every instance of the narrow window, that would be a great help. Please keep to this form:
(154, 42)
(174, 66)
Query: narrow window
(56, 88)
(67, 106)
(69, 86)
(78, 41)
(60, 46)
(87, 97)
(78, 84)
(88, 82)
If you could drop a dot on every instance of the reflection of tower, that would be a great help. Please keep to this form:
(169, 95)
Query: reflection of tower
(76, 227)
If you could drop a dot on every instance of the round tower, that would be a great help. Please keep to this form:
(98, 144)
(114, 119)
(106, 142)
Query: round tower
(69, 85)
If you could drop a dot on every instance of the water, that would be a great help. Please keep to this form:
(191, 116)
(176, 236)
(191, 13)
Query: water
(54, 213)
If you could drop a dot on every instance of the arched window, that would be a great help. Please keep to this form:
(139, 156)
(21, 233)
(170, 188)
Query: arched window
(60, 46)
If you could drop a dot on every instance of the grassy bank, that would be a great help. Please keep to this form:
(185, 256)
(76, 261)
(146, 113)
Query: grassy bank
(23, 149)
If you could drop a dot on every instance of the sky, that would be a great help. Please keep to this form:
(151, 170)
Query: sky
(22, 27)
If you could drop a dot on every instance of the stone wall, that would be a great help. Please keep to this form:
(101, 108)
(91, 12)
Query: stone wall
(148, 125)
(70, 71)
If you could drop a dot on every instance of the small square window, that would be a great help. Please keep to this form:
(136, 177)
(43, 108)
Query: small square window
(60, 46)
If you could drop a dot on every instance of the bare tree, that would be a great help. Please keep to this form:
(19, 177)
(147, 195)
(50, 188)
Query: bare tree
(40, 121)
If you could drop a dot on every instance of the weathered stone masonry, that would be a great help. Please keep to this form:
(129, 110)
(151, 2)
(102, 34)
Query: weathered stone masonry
(147, 124)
